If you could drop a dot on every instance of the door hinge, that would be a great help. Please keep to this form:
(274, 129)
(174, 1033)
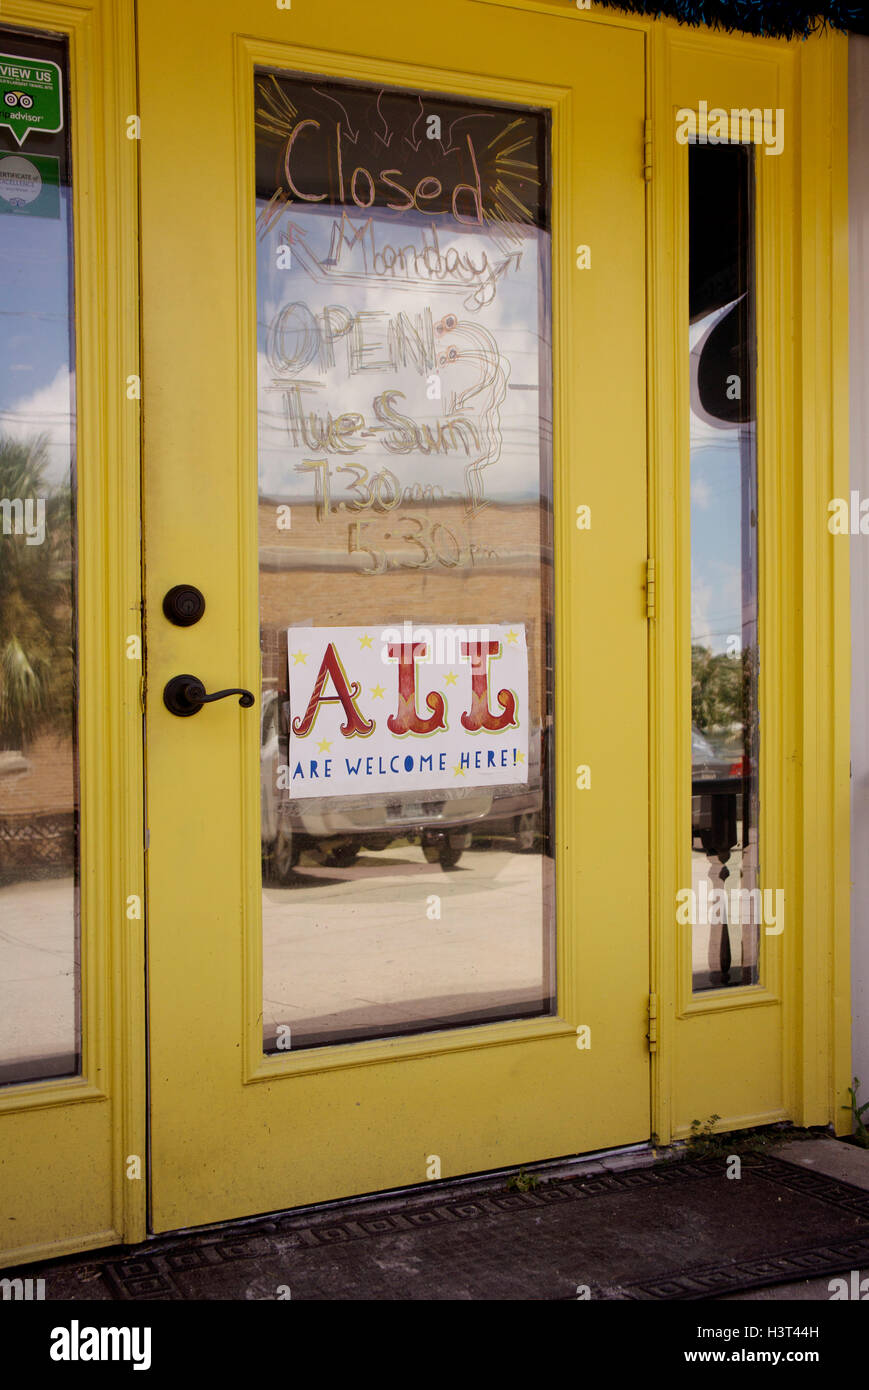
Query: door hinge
(647, 151)
(652, 1034)
(650, 588)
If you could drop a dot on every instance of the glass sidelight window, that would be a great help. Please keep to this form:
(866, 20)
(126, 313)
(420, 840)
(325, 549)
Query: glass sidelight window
(405, 507)
(40, 1026)
(727, 906)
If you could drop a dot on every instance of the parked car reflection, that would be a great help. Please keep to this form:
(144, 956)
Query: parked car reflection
(516, 814)
(716, 773)
(337, 828)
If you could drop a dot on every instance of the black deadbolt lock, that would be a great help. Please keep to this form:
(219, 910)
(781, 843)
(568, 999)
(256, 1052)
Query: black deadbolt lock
(184, 605)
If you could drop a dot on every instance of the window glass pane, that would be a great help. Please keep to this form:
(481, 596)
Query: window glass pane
(727, 907)
(405, 490)
(39, 950)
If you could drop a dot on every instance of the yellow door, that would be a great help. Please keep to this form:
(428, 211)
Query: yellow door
(394, 431)
(72, 1056)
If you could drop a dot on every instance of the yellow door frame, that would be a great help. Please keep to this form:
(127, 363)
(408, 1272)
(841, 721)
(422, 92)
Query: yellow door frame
(781, 1049)
(66, 1144)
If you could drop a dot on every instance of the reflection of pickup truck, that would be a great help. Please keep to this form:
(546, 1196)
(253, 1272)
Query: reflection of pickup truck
(517, 810)
(338, 827)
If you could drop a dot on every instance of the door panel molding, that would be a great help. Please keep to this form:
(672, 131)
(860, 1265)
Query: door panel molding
(789, 1034)
(249, 54)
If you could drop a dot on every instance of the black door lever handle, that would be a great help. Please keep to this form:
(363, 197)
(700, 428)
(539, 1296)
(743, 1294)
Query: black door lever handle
(185, 695)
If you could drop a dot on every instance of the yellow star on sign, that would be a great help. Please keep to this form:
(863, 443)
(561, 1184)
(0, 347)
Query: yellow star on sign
(512, 636)
(299, 656)
(364, 641)
(450, 678)
(377, 692)
(458, 771)
(324, 746)
(520, 757)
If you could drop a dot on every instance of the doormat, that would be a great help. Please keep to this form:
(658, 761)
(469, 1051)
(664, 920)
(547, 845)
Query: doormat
(678, 1230)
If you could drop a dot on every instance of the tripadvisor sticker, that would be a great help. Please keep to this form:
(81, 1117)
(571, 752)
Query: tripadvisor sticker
(30, 96)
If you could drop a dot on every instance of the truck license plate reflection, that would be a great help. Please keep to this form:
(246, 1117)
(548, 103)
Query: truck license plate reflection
(405, 505)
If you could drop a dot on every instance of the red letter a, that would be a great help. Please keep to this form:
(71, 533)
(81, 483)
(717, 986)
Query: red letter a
(331, 666)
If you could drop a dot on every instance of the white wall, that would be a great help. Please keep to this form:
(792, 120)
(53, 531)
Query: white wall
(858, 88)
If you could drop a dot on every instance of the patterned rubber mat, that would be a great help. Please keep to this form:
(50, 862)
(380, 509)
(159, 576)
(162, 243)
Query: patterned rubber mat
(677, 1230)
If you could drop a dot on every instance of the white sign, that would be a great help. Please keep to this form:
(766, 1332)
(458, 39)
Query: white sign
(392, 709)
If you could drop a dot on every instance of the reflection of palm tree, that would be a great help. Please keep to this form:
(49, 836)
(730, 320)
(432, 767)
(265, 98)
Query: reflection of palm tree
(717, 690)
(36, 602)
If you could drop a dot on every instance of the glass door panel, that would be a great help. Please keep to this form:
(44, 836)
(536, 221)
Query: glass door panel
(727, 903)
(40, 1025)
(406, 598)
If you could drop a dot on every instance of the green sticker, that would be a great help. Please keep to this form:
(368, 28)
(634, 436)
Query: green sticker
(30, 96)
(30, 185)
